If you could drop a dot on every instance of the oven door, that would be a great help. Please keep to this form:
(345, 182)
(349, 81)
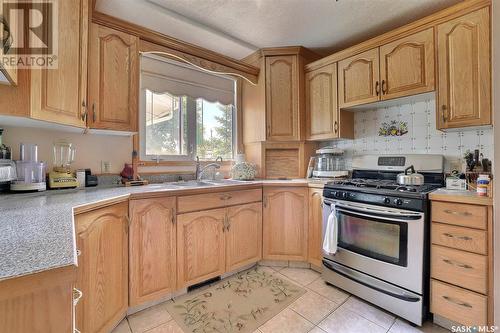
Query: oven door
(382, 242)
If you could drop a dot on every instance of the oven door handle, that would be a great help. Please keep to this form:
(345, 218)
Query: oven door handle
(404, 297)
(377, 215)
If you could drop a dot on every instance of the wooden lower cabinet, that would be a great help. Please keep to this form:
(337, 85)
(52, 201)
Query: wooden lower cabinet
(152, 252)
(200, 246)
(285, 222)
(244, 235)
(102, 238)
(315, 229)
(41, 302)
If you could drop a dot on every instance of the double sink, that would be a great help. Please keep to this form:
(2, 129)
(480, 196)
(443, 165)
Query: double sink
(198, 183)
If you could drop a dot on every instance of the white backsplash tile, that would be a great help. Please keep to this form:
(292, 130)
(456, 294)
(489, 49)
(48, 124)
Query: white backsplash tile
(422, 136)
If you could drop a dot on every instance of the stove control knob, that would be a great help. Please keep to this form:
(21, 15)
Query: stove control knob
(345, 195)
(334, 193)
(387, 200)
(398, 202)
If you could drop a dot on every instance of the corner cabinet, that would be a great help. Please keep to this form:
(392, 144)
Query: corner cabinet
(102, 239)
(282, 93)
(315, 229)
(153, 265)
(60, 95)
(324, 120)
(113, 79)
(285, 223)
(464, 95)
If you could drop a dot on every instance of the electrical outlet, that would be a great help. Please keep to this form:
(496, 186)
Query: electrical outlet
(105, 167)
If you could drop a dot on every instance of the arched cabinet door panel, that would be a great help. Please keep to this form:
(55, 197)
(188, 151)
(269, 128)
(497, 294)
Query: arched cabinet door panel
(152, 249)
(464, 91)
(102, 239)
(315, 230)
(200, 246)
(244, 235)
(285, 223)
(407, 66)
(113, 79)
(359, 79)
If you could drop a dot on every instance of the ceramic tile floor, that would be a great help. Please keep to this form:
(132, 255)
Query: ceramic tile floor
(322, 309)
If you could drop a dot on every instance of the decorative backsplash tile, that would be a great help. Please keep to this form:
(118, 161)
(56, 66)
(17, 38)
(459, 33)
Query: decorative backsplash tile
(422, 136)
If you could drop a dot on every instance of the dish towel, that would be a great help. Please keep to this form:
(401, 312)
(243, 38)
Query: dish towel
(331, 232)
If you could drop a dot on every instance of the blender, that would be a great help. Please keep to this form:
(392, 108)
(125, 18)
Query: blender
(61, 175)
(30, 172)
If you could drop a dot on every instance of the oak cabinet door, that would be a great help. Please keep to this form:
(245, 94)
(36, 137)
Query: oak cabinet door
(464, 91)
(102, 238)
(59, 95)
(282, 109)
(359, 79)
(244, 235)
(152, 249)
(113, 79)
(321, 103)
(200, 246)
(407, 65)
(285, 223)
(315, 231)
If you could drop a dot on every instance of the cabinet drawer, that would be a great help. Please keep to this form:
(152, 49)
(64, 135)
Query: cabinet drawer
(472, 216)
(465, 239)
(463, 269)
(462, 306)
(205, 201)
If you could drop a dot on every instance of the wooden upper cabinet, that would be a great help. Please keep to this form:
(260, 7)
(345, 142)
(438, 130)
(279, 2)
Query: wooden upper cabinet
(102, 238)
(153, 266)
(244, 235)
(282, 107)
(407, 65)
(200, 246)
(321, 103)
(464, 91)
(59, 95)
(315, 230)
(285, 223)
(359, 79)
(113, 79)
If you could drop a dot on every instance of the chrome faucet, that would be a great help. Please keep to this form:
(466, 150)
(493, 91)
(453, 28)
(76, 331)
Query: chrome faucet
(200, 170)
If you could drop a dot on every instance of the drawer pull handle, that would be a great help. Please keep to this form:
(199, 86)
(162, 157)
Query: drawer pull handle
(448, 211)
(451, 262)
(449, 299)
(467, 238)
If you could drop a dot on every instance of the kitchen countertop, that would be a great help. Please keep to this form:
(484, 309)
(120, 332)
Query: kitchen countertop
(37, 230)
(467, 197)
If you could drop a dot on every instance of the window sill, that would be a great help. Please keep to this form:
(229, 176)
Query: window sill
(181, 163)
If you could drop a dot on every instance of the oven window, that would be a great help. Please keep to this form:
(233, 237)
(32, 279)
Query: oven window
(375, 238)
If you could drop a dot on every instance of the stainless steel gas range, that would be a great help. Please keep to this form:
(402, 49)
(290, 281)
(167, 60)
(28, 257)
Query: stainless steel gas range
(380, 231)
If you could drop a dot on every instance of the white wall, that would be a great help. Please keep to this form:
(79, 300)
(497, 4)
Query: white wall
(496, 114)
(91, 149)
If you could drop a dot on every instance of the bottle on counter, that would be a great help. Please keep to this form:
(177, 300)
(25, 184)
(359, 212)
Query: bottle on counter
(482, 185)
(5, 153)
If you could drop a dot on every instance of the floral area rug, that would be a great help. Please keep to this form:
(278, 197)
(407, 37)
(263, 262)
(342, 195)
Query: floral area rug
(240, 303)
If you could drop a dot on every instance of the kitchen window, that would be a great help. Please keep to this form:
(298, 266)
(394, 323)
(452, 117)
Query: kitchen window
(185, 112)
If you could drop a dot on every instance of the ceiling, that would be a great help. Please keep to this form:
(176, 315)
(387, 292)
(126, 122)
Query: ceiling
(236, 28)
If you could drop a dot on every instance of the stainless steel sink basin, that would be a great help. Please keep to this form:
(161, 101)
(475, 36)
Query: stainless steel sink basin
(192, 183)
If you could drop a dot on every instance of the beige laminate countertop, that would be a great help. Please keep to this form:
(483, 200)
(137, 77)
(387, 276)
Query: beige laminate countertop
(466, 197)
(37, 231)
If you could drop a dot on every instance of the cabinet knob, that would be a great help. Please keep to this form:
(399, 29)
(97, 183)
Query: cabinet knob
(384, 87)
(336, 127)
(377, 88)
(444, 113)
(93, 112)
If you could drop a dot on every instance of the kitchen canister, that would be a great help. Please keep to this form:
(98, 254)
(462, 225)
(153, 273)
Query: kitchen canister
(243, 170)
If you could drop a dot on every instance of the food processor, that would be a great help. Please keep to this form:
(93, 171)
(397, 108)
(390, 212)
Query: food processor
(30, 172)
(61, 175)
